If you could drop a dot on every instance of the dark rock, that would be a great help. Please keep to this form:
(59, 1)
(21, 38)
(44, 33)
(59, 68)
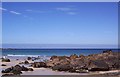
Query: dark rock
(5, 60)
(30, 69)
(98, 65)
(24, 68)
(29, 58)
(7, 75)
(17, 67)
(26, 62)
(39, 64)
(62, 67)
(105, 61)
(3, 65)
(7, 70)
(107, 51)
(16, 72)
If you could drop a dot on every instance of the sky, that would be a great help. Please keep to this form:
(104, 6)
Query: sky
(65, 23)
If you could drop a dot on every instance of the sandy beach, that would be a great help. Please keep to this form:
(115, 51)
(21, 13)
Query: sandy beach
(48, 71)
(37, 71)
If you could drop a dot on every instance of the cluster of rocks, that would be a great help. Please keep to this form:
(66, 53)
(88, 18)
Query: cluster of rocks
(5, 60)
(105, 61)
(33, 58)
(16, 70)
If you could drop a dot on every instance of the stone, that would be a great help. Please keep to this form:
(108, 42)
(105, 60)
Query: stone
(62, 67)
(5, 60)
(30, 69)
(3, 65)
(26, 62)
(39, 64)
(98, 65)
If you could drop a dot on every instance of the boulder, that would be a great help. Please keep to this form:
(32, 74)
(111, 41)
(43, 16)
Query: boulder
(17, 67)
(29, 58)
(62, 67)
(3, 65)
(24, 68)
(98, 65)
(5, 60)
(8, 70)
(26, 62)
(30, 69)
(39, 64)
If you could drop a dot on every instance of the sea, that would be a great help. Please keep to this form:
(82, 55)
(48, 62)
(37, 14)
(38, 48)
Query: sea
(51, 52)
(45, 54)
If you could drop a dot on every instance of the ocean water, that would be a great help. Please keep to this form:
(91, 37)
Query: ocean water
(51, 52)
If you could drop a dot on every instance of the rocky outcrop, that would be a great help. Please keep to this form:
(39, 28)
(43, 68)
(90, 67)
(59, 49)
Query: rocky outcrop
(105, 61)
(17, 69)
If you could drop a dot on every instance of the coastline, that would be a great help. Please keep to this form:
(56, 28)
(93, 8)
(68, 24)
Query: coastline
(48, 71)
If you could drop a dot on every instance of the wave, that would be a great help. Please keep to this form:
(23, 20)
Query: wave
(26, 55)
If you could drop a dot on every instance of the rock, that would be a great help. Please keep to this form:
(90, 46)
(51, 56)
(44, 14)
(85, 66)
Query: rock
(74, 56)
(81, 56)
(17, 67)
(16, 72)
(30, 69)
(53, 57)
(17, 59)
(8, 70)
(7, 75)
(24, 68)
(107, 51)
(5, 60)
(26, 62)
(58, 60)
(62, 67)
(98, 65)
(29, 58)
(105, 61)
(3, 65)
(39, 64)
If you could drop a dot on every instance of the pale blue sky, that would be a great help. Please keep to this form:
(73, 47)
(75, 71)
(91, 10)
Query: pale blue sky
(60, 23)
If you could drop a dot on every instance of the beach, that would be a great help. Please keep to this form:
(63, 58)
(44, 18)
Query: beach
(47, 71)
(45, 67)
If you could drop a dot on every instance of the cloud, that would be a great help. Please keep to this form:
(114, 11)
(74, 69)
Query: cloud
(72, 13)
(14, 12)
(64, 9)
(35, 11)
(67, 10)
(3, 9)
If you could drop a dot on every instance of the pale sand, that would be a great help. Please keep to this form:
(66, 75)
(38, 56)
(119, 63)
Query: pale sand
(47, 71)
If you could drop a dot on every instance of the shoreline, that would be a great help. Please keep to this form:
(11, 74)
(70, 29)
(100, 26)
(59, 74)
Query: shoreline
(49, 71)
